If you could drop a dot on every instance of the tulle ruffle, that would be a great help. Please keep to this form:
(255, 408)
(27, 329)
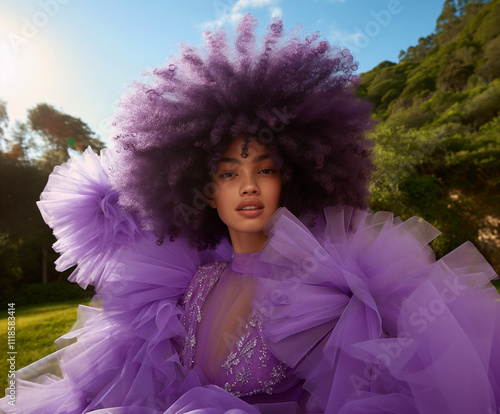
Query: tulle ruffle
(362, 311)
(82, 209)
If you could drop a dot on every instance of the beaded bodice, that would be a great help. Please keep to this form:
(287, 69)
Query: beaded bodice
(224, 334)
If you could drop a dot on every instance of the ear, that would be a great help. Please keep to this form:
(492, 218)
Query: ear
(211, 202)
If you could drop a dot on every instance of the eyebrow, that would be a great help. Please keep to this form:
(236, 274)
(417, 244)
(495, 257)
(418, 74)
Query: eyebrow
(260, 158)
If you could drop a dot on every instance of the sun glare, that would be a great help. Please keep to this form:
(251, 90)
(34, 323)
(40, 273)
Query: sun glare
(34, 73)
(8, 65)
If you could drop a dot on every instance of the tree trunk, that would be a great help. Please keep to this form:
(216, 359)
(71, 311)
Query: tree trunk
(45, 275)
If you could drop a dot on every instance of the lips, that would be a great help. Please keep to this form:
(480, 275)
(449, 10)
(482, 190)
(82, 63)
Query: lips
(250, 209)
(249, 205)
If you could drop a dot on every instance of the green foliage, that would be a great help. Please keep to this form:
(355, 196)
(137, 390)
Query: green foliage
(418, 84)
(412, 117)
(441, 101)
(10, 265)
(479, 155)
(397, 153)
(35, 293)
(448, 16)
(454, 77)
(428, 173)
(377, 83)
(378, 90)
(23, 234)
(389, 96)
(483, 107)
(489, 67)
(60, 132)
(426, 46)
(483, 26)
(4, 118)
(437, 152)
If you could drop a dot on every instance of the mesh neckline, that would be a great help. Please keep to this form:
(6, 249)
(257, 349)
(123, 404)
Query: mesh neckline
(244, 262)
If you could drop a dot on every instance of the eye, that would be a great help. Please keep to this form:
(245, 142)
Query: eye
(227, 175)
(266, 171)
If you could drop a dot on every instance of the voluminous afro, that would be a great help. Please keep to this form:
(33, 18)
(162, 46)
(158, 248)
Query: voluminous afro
(295, 95)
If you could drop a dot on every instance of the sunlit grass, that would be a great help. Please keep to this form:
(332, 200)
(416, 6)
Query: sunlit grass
(37, 327)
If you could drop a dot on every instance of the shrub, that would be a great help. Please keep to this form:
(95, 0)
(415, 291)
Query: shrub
(30, 294)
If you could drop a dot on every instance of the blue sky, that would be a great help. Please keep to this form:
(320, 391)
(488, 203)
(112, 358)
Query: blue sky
(78, 54)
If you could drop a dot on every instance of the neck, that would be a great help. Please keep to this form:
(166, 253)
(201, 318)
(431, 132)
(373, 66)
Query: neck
(247, 242)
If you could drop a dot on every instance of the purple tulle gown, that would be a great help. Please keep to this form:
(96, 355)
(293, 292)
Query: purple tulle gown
(352, 315)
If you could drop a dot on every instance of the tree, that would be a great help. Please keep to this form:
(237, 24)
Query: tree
(4, 118)
(23, 234)
(448, 16)
(60, 132)
(454, 76)
(490, 69)
(21, 143)
(3, 112)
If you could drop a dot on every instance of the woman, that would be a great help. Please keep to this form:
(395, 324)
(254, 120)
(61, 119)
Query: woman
(236, 264)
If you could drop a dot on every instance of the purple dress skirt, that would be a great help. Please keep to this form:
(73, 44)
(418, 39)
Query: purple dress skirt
(352, 315)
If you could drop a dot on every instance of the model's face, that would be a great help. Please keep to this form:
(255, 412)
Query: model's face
(247, 193)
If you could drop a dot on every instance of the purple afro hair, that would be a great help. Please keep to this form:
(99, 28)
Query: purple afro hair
(295, 95)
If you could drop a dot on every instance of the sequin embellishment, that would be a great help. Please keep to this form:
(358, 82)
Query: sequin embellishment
(204, 281)
(239, 362)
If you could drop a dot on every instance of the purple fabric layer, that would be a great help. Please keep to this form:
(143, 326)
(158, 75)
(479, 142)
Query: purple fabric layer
(373, 323)
(83, 211)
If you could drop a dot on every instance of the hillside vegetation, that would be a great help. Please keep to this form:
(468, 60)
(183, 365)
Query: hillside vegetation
(437, 139)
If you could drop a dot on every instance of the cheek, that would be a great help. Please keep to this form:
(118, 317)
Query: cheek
(222, 198)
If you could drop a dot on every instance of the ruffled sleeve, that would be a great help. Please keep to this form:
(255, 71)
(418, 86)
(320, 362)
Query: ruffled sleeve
(361, 310)
(82, 209)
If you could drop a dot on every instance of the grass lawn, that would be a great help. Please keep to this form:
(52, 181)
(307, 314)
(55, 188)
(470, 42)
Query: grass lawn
(37, 327)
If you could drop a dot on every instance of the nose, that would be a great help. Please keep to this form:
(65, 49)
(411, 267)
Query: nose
(249, 186)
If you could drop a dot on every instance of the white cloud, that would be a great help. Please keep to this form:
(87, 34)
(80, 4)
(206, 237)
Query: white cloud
(276, 12)
(351, 40)
(229, 12)
(246, 4)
